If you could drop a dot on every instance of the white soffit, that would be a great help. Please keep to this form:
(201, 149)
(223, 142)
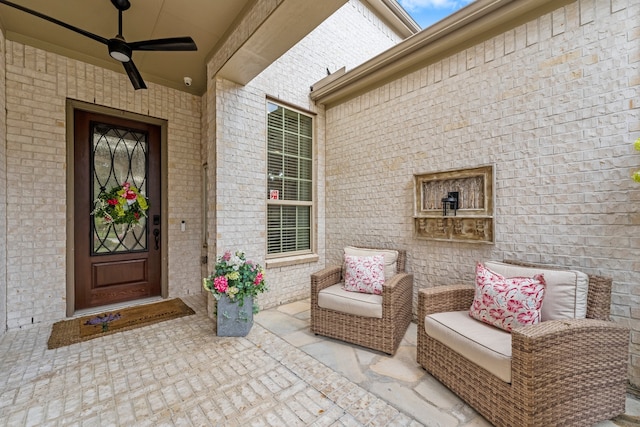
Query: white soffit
(289, 23)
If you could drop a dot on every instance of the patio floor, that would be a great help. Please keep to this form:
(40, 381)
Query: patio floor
(178, 373)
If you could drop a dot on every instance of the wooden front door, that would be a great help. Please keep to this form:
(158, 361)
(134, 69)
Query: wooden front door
(112, 263)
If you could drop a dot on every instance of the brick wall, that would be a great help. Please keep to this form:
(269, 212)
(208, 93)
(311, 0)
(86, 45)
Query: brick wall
(237, 140)
(37, 86)
(554, 104)
(3, 193)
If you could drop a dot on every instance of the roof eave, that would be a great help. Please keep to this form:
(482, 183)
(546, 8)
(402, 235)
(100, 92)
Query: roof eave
(398, 18)
(481, 19)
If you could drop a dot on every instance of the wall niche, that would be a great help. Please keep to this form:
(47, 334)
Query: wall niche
(469, 219)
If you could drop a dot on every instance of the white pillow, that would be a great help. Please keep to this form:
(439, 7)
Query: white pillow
(566, 292)
(390, 258)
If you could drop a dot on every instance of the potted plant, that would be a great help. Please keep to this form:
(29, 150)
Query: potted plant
(234, 284)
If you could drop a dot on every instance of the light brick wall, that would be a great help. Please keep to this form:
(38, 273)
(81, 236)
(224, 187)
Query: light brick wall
(554, 104)
(237, 142)
(3, 191)
(37, 86)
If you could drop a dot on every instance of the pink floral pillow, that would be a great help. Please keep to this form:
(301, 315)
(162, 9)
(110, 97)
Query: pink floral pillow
(507, 302)
(364, 274)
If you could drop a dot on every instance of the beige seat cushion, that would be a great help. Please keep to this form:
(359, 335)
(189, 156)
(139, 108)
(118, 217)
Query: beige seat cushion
(390, 258)
(356, 303)
(484, 345)
(566, 290)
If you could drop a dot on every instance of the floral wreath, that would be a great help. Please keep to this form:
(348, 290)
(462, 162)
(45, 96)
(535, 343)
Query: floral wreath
(122, 204)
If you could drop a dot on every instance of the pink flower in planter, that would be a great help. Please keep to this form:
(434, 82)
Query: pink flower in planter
(221, 284)
(258, 279)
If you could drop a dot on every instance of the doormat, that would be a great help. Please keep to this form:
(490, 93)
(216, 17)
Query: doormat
(72, 331)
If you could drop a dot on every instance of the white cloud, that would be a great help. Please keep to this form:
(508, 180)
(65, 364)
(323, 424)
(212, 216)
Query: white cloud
(413, 5)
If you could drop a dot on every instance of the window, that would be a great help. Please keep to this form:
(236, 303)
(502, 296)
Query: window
(289, 181)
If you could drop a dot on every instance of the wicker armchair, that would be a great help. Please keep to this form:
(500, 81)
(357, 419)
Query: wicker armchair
(382, 334)
(564, 372)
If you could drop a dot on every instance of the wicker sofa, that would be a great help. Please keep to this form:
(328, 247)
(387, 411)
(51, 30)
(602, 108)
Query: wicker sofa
(381, 332)
(568, 372)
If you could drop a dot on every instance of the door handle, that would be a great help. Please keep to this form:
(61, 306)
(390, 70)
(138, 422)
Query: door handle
(156, 234)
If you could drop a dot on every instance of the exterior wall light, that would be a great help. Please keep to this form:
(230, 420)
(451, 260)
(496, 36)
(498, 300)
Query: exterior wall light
(450, 203)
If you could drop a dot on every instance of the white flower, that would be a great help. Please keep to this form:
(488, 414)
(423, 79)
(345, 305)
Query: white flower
(236, 262)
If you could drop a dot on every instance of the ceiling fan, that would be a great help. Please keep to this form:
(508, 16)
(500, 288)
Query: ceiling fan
(119, 48)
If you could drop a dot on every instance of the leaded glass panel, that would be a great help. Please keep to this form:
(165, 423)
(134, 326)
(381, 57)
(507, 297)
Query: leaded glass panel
(118, 155)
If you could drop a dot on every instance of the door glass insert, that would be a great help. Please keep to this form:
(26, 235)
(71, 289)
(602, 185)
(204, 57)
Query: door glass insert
(118, 155)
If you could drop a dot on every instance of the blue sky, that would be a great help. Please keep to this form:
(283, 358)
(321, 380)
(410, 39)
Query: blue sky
(428, 12)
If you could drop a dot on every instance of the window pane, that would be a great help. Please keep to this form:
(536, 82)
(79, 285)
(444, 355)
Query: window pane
(273, 216)
(288, 240)
(291, 121)
(273, 241)
(291, 167)
(274, 227)
(275, 165)
(305, 169)
(305, 147)
(274, 140)
(291, 143)
(305, 191)
(304, 216)
(275, 184)
(305, 126)
(275, 116)
(290, 190)
(303, 238)
(289, 217)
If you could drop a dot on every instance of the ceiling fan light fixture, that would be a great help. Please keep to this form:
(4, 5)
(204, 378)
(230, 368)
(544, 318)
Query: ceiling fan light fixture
(119, 50)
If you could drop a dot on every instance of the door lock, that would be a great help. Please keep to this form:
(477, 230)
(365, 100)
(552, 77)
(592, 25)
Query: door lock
(156, 234)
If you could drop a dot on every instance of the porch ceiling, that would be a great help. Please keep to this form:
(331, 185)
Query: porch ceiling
(206, 21)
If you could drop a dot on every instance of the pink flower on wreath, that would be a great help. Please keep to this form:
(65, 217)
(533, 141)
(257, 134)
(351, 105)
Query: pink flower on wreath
(258, 279)
(129, 195)
(221, 284)
(226, 256)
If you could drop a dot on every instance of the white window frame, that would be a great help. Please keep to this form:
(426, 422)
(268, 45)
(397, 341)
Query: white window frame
(281, 201)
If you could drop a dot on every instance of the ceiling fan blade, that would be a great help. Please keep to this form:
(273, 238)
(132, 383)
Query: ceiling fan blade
(55, 21)
(170, 44)
(134, 75)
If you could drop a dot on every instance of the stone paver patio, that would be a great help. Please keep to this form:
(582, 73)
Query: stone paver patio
(178, 373)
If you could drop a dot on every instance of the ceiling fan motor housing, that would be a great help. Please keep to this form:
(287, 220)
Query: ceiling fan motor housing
(119, 49)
